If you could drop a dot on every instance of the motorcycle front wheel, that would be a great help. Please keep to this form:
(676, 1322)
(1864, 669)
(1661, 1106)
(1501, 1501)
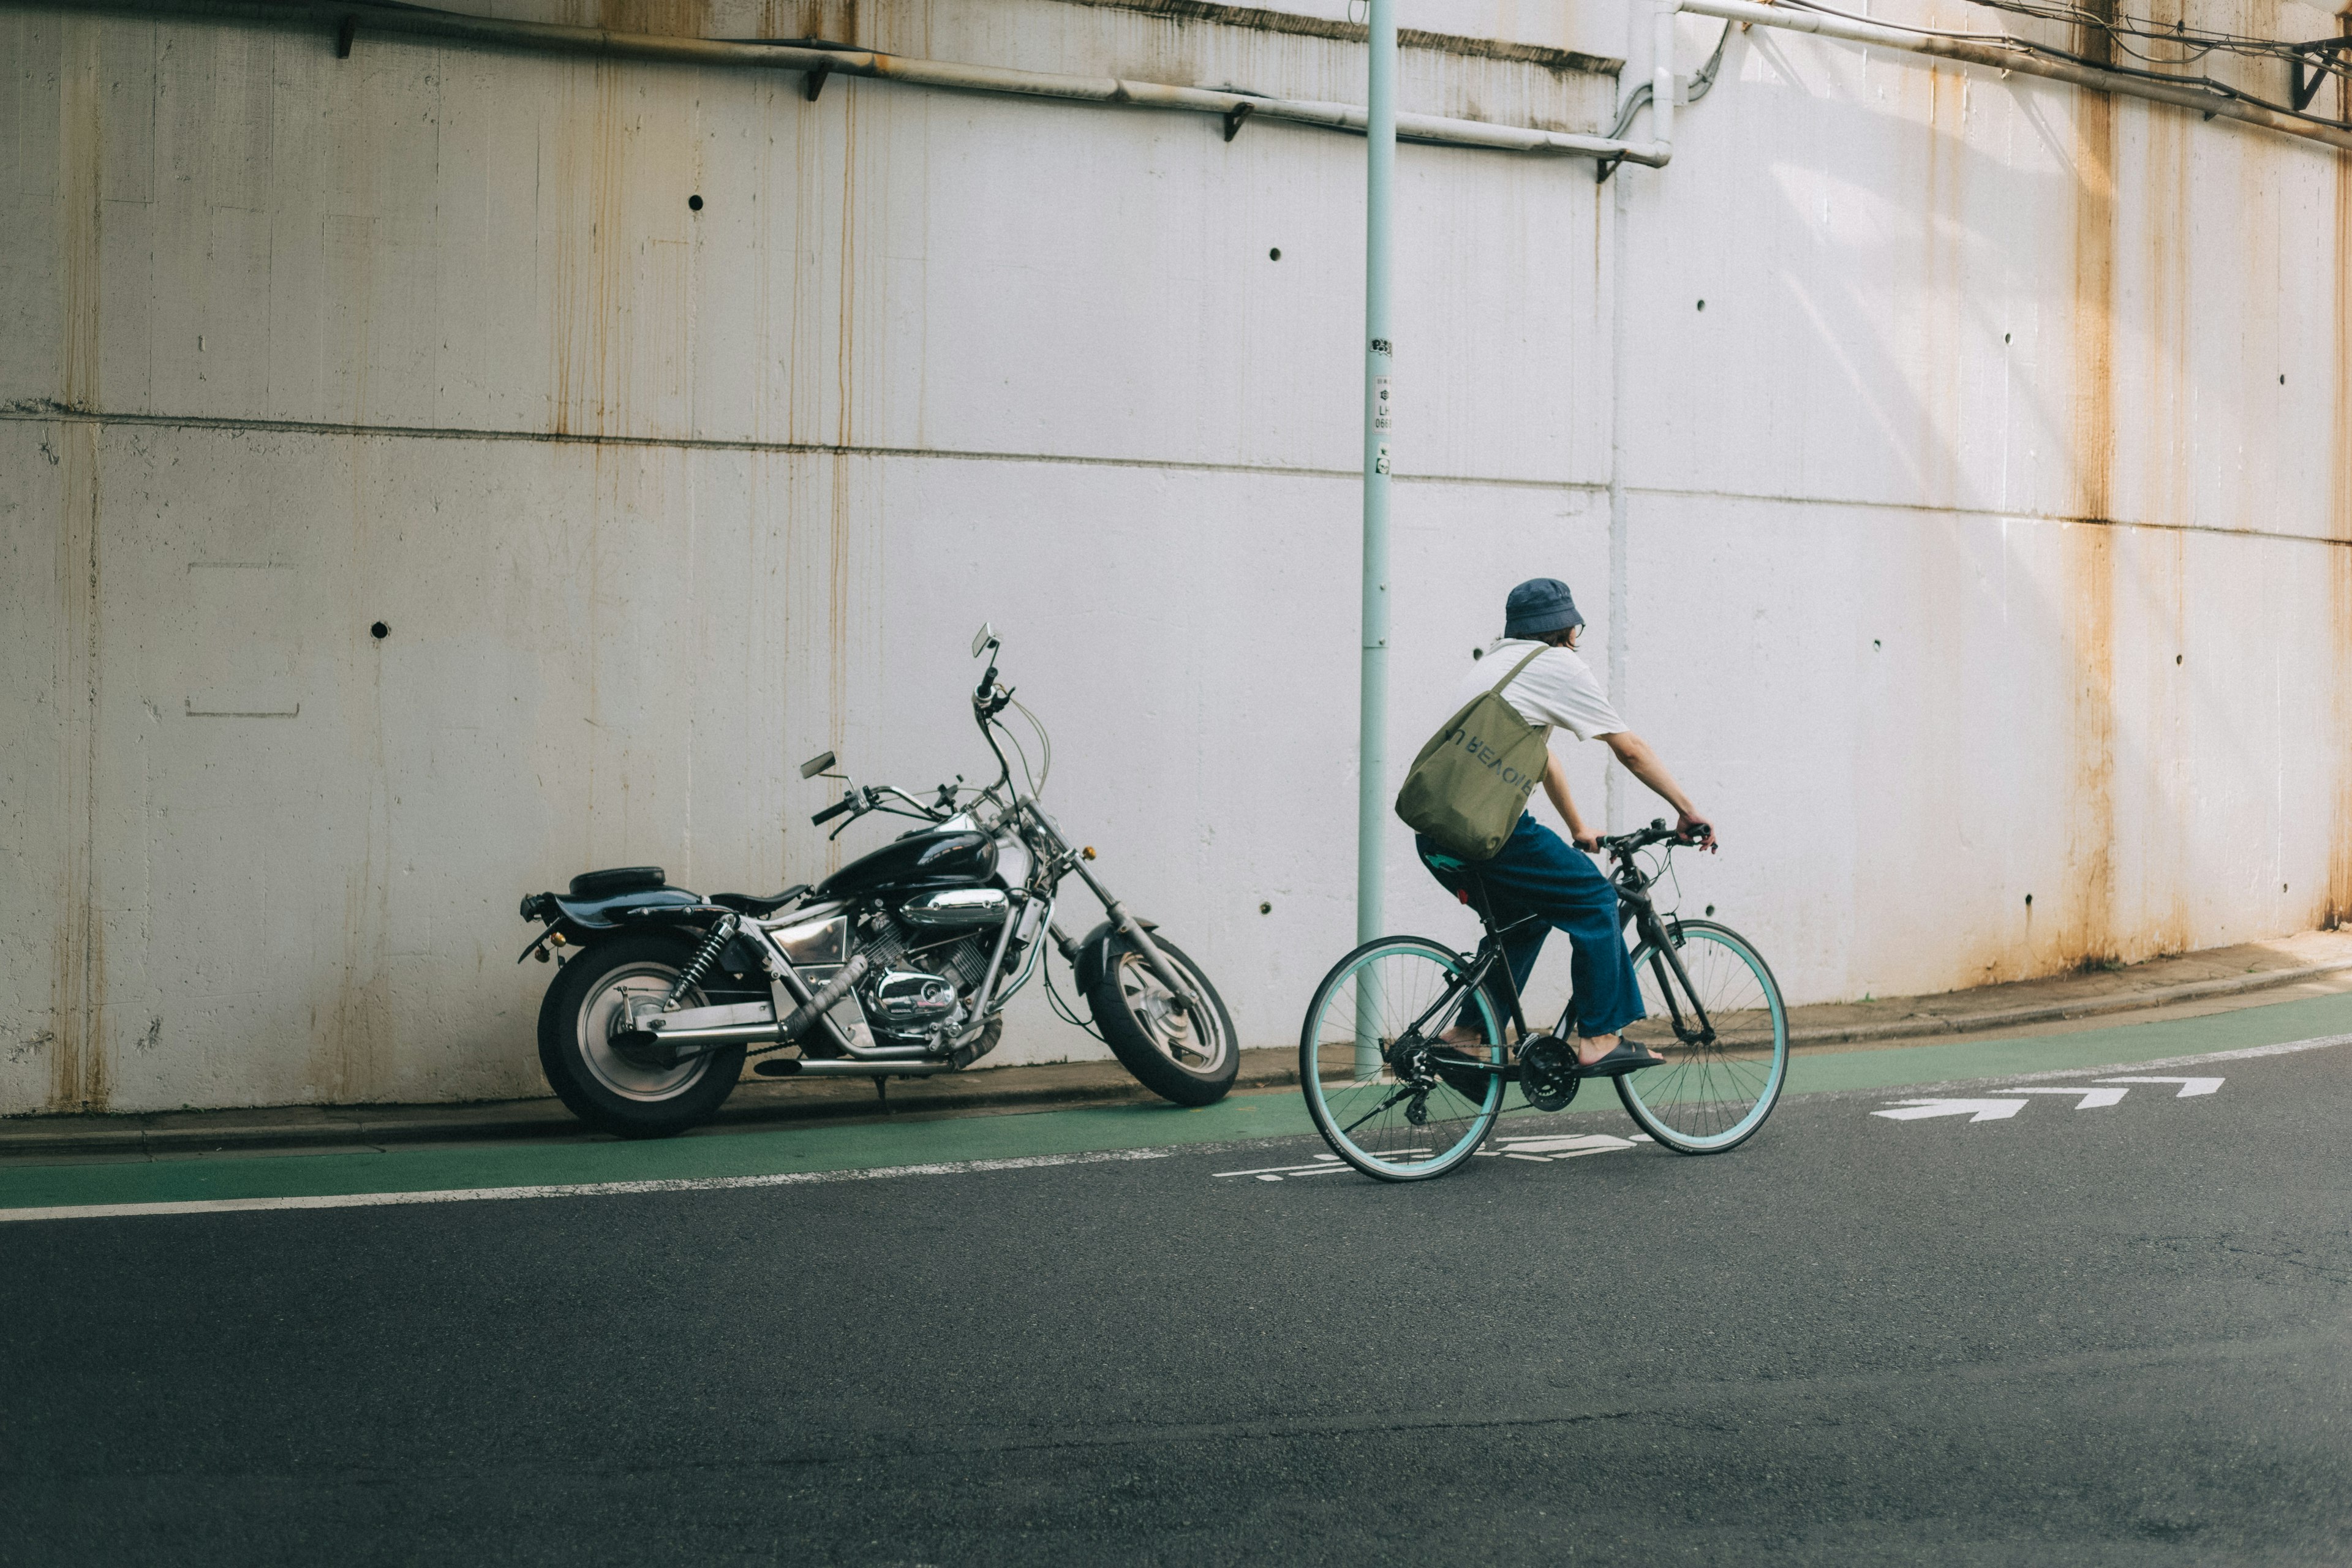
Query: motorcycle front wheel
(607, 1086)
(1189, 1057)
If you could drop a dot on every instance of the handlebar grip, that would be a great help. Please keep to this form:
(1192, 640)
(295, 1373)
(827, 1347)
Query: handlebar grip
(829, 812)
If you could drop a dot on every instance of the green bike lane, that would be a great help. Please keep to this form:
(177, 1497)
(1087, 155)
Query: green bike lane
(947, 1145)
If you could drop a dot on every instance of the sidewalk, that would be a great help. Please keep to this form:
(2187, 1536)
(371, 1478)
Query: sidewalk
(2218, 980)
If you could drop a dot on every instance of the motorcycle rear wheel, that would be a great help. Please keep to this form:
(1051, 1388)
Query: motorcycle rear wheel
(600, 1084)
(1188, 1058)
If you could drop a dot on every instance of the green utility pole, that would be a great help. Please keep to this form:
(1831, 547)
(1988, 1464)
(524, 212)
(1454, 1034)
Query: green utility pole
(1379, 421)
(1379, 175)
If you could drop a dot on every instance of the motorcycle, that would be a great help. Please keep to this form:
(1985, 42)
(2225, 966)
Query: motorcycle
(898, 966)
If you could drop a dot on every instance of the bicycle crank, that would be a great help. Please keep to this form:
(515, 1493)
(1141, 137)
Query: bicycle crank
(1547, 1074)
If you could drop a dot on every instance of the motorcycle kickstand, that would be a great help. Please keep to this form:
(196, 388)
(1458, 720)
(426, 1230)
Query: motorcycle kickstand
(882, 1092)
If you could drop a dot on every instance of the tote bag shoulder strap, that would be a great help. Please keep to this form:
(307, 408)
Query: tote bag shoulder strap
(1497, 686)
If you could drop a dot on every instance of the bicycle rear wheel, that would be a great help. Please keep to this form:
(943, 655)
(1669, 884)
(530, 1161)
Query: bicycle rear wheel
(1723, 1075)
(1366, 1067)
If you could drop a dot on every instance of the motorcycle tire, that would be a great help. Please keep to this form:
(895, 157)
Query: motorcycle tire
(600, 1085)
(1152, 1038)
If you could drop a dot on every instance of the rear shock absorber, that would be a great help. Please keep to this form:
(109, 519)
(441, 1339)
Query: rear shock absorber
(704, 957)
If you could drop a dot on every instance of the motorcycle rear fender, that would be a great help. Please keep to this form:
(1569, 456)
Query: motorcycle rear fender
(1094, 952)
(585, 920)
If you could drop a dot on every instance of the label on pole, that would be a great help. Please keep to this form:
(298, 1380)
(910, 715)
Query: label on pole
(1382, 411)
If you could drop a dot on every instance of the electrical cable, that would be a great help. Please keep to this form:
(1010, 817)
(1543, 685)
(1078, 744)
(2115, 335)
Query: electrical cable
(2118, 29)
(1700, 84)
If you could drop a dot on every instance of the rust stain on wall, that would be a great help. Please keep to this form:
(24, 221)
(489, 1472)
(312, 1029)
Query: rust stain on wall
(590, 255)
(2085, 931)
(2339, 909)
(78, 1063)
(79, 1067)
(675, 19)
(839, 610)
(836, 21)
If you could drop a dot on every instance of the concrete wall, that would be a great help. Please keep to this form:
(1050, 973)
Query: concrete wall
(1969, 545)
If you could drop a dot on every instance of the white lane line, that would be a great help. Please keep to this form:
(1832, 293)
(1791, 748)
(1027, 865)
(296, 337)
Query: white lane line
(2189, 1086)
(1323, 1162)
(1974, 1109)
(2093, 1098)
(579, 1189)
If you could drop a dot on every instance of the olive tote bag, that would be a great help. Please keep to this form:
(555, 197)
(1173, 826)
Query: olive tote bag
(1469, 784)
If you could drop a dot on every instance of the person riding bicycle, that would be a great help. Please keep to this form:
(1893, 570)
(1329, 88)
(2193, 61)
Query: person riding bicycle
(1535, 873)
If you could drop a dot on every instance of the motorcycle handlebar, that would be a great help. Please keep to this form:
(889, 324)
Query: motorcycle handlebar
(829, 812)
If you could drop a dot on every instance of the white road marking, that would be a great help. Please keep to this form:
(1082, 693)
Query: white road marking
(1974, 1109)
(2093, 1098)
(579, 1189)
(1584, 1144)
(2189, 1086)
(1323, 1162)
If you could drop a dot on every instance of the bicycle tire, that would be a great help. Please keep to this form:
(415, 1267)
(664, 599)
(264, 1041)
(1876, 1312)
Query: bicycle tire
(1712, 1094)
(1402, 977)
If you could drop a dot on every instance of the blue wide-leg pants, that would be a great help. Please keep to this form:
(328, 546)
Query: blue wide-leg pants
(1536, 872)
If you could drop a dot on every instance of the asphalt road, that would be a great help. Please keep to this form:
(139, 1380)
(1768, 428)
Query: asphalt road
(2110, 1334)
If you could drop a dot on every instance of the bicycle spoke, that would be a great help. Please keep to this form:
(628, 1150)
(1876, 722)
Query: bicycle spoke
(1719, 1087)
(1397, 1124)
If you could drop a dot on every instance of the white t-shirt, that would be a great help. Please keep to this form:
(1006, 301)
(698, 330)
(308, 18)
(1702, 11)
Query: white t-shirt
(1557, 688)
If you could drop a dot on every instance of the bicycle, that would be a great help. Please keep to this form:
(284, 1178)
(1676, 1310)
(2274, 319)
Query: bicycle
(1399, 1104)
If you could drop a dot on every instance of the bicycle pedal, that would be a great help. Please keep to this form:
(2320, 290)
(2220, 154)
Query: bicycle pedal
(1547, 1075)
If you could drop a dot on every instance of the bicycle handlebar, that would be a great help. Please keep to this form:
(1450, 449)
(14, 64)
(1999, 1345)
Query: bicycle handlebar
(1658, 832)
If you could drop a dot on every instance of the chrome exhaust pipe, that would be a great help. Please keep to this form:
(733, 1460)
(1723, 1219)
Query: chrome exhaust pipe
(795, 1067)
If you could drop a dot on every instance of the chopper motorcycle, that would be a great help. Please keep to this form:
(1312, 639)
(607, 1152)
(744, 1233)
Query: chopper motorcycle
(898, 966)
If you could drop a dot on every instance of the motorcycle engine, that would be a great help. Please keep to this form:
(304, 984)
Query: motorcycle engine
(918, 980)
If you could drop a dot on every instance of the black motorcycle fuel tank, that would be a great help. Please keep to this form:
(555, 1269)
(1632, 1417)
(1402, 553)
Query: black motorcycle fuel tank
(954, 856)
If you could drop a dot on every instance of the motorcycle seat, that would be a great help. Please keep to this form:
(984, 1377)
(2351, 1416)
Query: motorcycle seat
(615, 881)
(745, 904)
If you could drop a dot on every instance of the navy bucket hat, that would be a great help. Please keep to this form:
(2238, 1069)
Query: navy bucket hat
(1539, 607)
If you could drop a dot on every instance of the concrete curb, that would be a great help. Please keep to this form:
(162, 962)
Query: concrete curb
(378, 1127)
(2059, 1012)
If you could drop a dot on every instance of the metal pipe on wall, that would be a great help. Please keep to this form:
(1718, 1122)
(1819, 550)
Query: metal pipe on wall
(556, 37)
(2002, 58)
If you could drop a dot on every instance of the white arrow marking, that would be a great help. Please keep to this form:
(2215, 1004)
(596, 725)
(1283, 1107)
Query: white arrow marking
(2189, 1086)
(1276, 1173)
(1974, 1109)
(2091, 1098)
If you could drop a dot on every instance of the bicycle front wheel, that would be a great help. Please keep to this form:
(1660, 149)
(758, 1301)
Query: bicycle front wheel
(1368, 1060)
(1715, 1013)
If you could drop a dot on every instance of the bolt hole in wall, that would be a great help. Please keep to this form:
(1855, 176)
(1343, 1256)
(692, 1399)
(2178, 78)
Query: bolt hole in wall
(1274, 255)
(379, 631)
(694, 204)
(1265, 909)
(1702, 304)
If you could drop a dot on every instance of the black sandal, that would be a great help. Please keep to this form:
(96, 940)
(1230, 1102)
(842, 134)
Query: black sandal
(1627, 1057)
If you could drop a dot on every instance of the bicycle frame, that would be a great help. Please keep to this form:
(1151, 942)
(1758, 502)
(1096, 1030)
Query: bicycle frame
(1633, 904)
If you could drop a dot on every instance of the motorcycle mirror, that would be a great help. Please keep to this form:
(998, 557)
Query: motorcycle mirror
(982, 638)
(816, 764)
